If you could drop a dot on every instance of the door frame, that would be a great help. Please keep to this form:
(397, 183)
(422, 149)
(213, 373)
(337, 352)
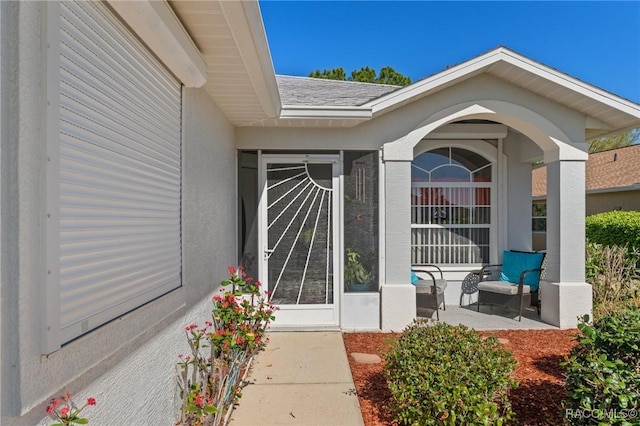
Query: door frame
(306, 316)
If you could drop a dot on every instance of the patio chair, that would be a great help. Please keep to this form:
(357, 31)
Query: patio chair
(429, 289)
(514, 283)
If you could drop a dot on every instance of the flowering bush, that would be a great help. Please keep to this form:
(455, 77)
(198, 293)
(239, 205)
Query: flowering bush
(65, 412)
(210, 377)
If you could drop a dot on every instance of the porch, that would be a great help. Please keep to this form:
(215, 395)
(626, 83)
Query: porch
(489, 317)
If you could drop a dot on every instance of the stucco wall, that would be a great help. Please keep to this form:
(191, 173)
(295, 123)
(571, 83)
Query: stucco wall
(604, 202)
(518, 184)
(127, 364)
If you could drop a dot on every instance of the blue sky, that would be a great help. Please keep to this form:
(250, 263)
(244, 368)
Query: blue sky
(598, 42)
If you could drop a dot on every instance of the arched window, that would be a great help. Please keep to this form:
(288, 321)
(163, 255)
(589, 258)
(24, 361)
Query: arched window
(450, 207)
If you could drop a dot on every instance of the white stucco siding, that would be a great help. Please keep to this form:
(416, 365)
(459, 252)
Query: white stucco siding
(558, 130)
(518, 192)
(209, 193)
(127, 364)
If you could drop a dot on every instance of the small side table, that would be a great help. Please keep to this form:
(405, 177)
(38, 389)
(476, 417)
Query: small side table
(470, 284)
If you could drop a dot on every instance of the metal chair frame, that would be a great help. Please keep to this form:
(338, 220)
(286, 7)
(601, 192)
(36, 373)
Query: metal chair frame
(435, 298)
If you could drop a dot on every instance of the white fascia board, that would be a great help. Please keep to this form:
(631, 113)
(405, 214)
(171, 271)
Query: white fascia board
(474, 66)
(613, 132)
(322, 112)
(161, 30)
(245, 22)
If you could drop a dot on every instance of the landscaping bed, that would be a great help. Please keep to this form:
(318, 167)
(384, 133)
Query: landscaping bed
(537, 400)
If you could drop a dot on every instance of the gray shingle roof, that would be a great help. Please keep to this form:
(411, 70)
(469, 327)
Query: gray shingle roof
(308, 91)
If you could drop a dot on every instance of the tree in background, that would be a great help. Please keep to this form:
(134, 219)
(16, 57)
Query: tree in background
(334, 74)
(365, 75)
(620, 140)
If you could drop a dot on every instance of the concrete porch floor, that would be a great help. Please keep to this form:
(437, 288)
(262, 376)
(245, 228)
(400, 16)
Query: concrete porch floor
(489, 317)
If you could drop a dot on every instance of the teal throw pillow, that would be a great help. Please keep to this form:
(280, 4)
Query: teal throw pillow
(513, 263)
(415, 279)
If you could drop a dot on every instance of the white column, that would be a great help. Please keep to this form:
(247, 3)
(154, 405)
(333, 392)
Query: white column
(565, 295)
(398, 295)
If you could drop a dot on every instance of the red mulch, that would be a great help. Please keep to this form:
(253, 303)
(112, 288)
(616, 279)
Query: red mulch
(536, 402)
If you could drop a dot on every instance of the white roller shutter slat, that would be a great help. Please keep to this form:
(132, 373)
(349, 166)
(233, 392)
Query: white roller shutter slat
(119, 171)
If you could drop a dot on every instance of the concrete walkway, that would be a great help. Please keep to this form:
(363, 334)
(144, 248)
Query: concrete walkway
(302, 378)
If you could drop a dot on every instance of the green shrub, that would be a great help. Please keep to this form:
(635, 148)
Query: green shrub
(603, 371)
(449, 375)
(614, 228)
(613, 273)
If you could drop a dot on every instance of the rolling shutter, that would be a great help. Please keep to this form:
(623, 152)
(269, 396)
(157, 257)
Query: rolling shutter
(119, 171)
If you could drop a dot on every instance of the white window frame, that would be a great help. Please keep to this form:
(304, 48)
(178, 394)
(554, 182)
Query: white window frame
(490, 153)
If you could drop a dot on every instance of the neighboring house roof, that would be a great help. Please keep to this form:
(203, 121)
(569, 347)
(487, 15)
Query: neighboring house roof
(322, 92)
(606, 171)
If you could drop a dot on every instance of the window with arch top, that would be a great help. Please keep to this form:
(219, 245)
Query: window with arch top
(450, 207)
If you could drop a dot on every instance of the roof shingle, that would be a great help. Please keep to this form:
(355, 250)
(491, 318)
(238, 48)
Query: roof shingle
(306, 91)
(614, 168)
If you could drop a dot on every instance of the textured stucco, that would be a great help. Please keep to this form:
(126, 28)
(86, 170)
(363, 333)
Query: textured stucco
(566, 221)
(607, 201)
(398, 297)
(127, 364)
(209, 193)
(518, 183)
(8, 212)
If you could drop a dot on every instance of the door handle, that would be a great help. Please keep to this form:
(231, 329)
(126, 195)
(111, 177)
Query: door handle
(267, 253)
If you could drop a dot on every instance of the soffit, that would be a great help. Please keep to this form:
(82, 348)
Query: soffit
(596, 104)
(231, 40)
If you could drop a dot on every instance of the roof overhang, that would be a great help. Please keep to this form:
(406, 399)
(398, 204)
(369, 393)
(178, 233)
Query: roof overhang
(232, 42)
(605, 112)
(333, 112)
(222, 46)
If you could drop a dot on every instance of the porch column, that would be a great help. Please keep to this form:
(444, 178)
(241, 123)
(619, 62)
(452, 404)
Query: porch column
(398, 295)
(565, 295)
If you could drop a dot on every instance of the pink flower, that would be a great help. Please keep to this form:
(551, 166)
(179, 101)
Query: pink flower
(64, 411)
(198, 400)
(232, 270)
(91, 401)
(190, 327)
(50, 409)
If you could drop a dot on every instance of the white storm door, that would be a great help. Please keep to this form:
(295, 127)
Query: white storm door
(299, 237)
